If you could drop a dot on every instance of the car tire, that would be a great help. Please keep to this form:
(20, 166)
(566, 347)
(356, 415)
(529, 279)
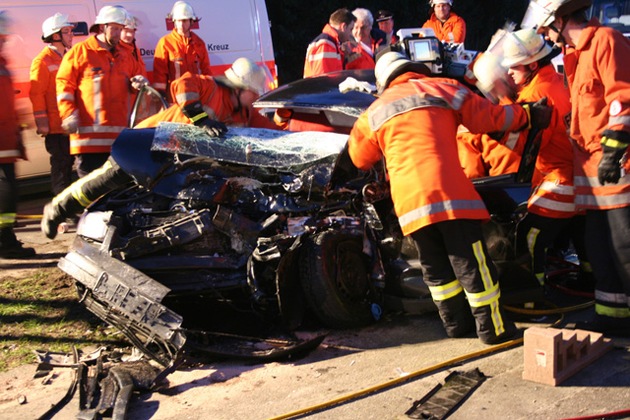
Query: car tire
(335, 279)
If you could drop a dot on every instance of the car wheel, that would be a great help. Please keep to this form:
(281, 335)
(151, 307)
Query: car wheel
(335, 279)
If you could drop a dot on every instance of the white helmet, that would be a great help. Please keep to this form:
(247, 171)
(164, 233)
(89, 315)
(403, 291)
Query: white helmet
(388, 65)
(112, 14)
(434, 2)
(5, 22)
(491, 76)
(182, 11)
(542, 13)
(524, 47)
(246, 74)
(54, 24)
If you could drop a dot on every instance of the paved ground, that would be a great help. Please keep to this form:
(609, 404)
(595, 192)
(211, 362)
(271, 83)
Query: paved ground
(345, 367)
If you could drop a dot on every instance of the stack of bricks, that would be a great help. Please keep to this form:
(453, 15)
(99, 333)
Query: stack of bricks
(552, 355)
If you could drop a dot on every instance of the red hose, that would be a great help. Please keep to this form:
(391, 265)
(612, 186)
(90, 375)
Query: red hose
(611, 415)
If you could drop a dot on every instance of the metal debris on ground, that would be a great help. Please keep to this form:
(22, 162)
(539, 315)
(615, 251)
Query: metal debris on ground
(443, 399)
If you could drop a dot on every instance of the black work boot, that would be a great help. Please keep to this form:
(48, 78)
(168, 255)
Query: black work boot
(50, 221)
(11, 248)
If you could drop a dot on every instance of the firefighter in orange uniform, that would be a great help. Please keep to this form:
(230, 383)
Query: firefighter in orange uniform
(597, 67)
(94, 86)
(206, 101)
(214, 101)
(552, 204)
(480, 155)
(11, 150)
(447, 25)
(180, 51)
(325, 53)
(57, 33)
(413, 125)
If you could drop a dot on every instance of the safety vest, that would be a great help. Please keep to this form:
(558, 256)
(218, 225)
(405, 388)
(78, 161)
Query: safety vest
(43, 87)
(598, 72)
(94, 82)
(413, 125)
(454, 25)
(175, 55)
(324, 55)
(9, 142)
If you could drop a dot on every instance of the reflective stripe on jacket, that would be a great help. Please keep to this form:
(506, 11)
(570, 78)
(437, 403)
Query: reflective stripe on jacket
(176, 55)
(95, 83)
(553, 191)
(43, 87)
(413, 126)
(454, 25)
(9, 140)
(323, 55)
(216, 100)
(598, 71)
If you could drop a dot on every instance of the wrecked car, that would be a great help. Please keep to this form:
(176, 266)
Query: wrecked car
(259, 231)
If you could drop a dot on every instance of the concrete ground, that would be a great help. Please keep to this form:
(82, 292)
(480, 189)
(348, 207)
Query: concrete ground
(411, 354)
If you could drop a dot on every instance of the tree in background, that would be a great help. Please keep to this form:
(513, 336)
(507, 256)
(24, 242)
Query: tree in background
(295, 23)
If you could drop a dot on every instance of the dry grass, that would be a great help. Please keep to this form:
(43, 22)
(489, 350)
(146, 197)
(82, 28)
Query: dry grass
(41, 312)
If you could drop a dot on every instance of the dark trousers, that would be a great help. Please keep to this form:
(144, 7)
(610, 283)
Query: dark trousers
(535, 234)
(462, 278)
(87, 162)
(85, 190)
(608, 250)
(8, 189)
(58, 147)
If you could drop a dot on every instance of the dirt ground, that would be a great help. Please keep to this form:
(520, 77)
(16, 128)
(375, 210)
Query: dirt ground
(346, 377)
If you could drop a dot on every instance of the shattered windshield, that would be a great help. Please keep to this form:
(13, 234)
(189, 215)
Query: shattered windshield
(251, 146)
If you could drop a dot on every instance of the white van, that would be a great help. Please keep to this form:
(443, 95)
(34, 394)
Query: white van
(231, 29)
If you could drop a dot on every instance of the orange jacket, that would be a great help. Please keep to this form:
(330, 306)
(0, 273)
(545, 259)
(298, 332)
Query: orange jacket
(216, 100)
(480, 155)
(43, 88)
(324, 54)
(454, 25)
(176, 55)
(598, 71)
(94, 82)
(10, 146)
(413, 125)
(553, 191)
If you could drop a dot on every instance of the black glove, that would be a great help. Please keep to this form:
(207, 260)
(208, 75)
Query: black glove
(614, 146)
(538, 114)
(213, 127)
(200, 118)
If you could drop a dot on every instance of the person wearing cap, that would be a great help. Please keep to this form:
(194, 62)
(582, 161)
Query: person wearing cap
(385, 21)
(368, 41)
(413, 125)
(210, 102)
(551, 206)
(447, 25)
(94, 86)
(328, 52)
(57, 34)
(597, 67)
(11, 149)
(180, 51)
